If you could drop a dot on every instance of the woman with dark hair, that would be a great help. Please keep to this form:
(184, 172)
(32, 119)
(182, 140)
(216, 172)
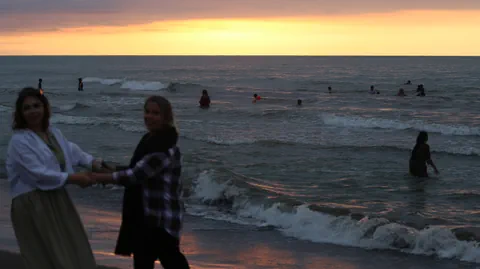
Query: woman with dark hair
(39, 164)
(421, 157)
(153, 209)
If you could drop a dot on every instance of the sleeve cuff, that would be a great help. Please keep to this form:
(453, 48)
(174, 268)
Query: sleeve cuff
(63, 179)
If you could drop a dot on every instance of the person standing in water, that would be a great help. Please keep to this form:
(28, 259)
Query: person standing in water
(256, 98)
(40, 84)
(420, 90)
(204, 100)
(80, 85)
(329, 89)
(421, 157)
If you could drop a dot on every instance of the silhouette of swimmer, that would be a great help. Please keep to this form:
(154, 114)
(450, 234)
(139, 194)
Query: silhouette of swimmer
(204, 100)
(80, 84)
(299, 102)
(408, 83)
(40, 84)
(256, 98)
(172, 87)
(421, 157)
(373, 91)
(401, 92)
(420, 90)
(329, 89)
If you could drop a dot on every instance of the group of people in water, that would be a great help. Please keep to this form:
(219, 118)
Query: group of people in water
(420, 90)
(80, 84)
(205, 98)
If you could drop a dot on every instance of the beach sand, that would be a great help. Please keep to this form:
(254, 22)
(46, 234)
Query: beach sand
(234, 246)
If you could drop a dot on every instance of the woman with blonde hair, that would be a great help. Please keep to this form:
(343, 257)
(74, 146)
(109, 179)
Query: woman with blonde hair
(152, 214)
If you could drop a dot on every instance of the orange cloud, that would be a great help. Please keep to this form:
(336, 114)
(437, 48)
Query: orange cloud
(396, 33)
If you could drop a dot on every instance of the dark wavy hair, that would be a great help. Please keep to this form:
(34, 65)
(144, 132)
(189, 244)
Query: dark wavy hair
(422, 138)
(19, 120)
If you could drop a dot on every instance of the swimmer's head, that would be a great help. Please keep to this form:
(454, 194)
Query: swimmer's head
(40, 80)
(255, 95)
(299, 102)
(204, 92)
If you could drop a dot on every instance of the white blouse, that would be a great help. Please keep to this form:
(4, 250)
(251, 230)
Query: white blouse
(32, 165)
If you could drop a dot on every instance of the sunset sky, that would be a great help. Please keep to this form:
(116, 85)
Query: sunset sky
(240, 27)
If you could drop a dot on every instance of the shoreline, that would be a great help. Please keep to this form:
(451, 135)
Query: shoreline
(217, 244)
(11, 260)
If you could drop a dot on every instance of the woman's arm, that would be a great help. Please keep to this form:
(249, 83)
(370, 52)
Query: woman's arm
(430, 162)
(32, 170)
(429, 159)
(81, 158)
(144, 169)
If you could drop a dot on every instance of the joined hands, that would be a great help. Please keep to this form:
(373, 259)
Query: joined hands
(87, 179)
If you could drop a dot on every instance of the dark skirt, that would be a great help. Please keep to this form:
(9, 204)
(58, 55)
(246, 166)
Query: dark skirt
(49, 231)
(132, 222)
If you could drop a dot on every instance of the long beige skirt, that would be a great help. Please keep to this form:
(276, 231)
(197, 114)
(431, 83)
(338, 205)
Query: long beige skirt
(49, 231)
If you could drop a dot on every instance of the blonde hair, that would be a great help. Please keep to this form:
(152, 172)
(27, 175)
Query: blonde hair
(165, 109)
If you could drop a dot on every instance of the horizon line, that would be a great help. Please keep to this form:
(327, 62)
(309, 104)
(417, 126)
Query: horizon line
(224, 55)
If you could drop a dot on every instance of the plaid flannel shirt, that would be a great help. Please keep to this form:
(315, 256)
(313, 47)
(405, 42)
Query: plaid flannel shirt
(159, 174)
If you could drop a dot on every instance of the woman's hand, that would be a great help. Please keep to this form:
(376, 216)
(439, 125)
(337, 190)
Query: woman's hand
(99, 166)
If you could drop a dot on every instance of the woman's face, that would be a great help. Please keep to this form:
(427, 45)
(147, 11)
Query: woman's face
(33, 112)
(152, 116)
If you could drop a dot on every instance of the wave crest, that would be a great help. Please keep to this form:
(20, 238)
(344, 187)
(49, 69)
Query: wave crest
(301, 222)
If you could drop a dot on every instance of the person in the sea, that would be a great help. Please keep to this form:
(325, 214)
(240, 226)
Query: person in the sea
(204, 100)
(256, 98)
(299, 102)
(40, 84)
(373, 90)
(80, 84)
(421, 157)
(408, 83)
(329, 89)
(401, 92)
(420, 90)
(39, 164)
(172, 87)
(152, 215)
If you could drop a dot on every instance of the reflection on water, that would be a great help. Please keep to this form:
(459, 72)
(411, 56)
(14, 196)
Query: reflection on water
(417, 197)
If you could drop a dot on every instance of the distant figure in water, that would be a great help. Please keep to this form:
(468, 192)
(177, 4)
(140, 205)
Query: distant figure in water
(401, 92)
(421, 157)
(256, 98)
(299, 102)
(373, 91)
(172, 87)
(204, 100)
(80, 84)
(408, 83)
(40, 84)
(420, 90)
(329, 89)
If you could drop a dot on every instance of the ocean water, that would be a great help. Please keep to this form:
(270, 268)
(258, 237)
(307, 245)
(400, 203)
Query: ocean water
(334, 170)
